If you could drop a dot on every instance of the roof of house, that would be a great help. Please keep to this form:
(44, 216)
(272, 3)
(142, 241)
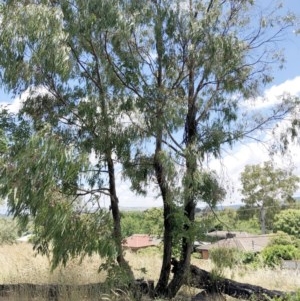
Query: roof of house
(140, 241)
(227, 234)
(250, 243)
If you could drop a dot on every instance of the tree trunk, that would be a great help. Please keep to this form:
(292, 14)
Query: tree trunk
(212, 284)
(184, 265)
(160, 173)
(161, 287)
(263, 219)
(189, 198)
(114, 205)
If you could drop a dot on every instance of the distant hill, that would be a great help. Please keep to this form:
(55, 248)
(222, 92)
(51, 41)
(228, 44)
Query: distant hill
(199, 208)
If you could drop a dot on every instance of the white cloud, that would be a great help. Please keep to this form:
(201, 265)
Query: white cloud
(273, 95)
(17, 102)
(233, 163)
(235, 160)
(13, 106)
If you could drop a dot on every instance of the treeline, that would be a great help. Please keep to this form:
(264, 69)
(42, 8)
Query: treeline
(242, 219)
(150, 222)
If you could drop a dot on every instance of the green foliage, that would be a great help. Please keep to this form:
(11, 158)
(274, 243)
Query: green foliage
(8, 231)
(149, 222)
(67, 234)
(116, 277)
(132, 223)
(106, 81)
(266, 187)
(247, 212)
(43, 43)
(224, 258)
(50, 172)
(150, 251)
(288, 221)
(227, 219)
(281, 247)
(248, 257)
(205, 187)
(284, 239)
(273, 255)
(293, 296)
(154, 223)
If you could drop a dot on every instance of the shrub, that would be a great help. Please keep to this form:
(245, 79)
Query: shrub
(288, 221)
(274, 254)
(294, 296)
(248, 257)
(224, 258)
(285, 239)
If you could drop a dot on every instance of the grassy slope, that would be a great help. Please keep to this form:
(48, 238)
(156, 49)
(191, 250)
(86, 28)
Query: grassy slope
(19, 264)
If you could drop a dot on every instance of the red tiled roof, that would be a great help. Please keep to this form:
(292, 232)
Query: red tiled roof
(139, 241)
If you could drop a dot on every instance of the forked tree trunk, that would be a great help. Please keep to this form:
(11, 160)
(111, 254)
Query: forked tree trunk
(160, 172)
(189, 201)
(182, 270)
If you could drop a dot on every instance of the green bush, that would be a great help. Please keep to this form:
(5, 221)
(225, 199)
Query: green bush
(274, 254)
(288, 221)
(285, 239)
(294, 296)
(224, 258)
(248, 257)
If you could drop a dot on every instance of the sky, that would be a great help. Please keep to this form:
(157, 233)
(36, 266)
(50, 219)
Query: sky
(234, 160)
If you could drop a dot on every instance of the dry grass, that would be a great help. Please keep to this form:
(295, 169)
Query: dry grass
(19, 264)
(273, 279)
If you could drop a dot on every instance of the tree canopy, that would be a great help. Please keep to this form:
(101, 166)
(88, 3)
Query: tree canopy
(149, 89)
(267, 188)
(288, 221)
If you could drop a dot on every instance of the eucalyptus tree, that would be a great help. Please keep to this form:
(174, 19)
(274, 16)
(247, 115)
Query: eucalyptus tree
(268, 188)
(191, 67)
(178, 72)
(54, 51)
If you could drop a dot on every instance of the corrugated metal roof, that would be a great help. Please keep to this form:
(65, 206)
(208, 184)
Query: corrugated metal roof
(227, 234)
(254, 243)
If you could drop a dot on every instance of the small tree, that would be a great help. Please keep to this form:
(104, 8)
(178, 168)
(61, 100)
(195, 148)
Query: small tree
(223, 258)
(288, 221)
(266, 187)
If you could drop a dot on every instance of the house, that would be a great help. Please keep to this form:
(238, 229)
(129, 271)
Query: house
(197, 244)
(226, 234)
(248, 243)
(139, 241)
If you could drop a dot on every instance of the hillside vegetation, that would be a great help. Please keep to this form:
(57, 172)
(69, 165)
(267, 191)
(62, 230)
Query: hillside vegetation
(19, 264)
